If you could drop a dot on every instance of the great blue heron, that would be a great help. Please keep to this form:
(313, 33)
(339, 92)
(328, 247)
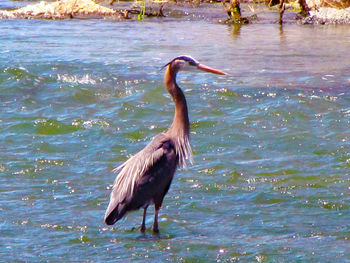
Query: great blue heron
(145, 178)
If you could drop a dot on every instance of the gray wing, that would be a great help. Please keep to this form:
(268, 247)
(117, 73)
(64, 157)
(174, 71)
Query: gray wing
(134, 174)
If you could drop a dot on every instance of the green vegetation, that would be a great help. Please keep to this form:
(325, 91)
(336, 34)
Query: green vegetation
(142, 10)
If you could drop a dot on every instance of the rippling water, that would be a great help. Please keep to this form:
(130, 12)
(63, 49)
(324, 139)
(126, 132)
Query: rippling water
(270, 181)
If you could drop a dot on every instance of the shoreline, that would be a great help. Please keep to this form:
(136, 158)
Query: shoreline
(212, 12)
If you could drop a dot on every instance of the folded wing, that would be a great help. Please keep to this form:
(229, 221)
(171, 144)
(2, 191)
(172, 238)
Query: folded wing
(139, 175)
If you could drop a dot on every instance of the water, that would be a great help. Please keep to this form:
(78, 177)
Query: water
(270, 181)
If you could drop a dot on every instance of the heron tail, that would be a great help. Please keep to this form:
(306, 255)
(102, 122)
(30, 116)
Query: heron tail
(114, 215)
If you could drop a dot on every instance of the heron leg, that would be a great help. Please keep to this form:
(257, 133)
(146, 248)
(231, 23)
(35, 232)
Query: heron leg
(155, 223)
(143, 226)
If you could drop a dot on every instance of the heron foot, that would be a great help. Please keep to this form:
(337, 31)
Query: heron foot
(156, 229)
(143, 225)
(143, 229)
(155, 222)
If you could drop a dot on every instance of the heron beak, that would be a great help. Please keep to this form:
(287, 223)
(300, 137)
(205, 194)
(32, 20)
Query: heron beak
(211, 70)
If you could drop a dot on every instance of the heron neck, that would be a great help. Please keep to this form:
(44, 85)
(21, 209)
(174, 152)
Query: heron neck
(181, 124)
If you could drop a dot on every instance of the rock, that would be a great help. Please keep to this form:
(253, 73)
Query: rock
(327, 15)
(328, 12)
(59, 10)
(340, 4)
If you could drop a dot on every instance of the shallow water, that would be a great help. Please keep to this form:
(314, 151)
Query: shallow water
(270, 181)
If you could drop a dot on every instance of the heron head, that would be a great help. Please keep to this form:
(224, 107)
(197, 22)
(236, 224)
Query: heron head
(187, 62)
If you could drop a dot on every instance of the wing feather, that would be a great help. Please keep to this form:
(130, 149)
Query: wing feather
(132, 170)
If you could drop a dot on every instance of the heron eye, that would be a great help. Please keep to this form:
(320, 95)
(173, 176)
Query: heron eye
(191, 63)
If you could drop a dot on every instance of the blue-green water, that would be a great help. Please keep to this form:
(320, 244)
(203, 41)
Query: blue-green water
(270, 181)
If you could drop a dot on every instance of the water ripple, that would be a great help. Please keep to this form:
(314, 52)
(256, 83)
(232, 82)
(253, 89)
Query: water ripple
(270, 180)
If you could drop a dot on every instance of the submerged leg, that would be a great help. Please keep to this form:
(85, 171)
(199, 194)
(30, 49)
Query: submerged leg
(143, 226)
(155, 223)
